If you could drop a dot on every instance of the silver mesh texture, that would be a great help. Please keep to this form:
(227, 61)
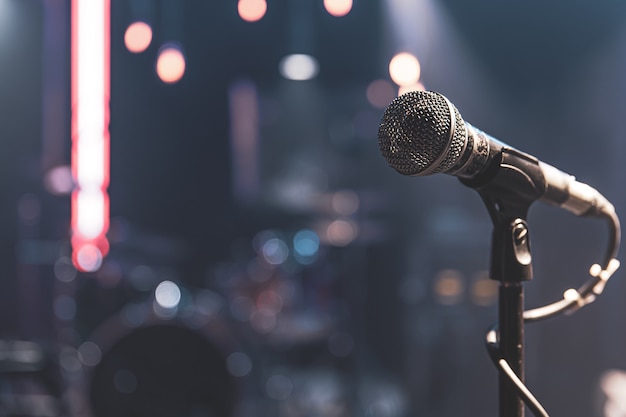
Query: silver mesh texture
(415, 134)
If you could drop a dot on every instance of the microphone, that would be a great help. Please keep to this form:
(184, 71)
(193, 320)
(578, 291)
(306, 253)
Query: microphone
(422, 133)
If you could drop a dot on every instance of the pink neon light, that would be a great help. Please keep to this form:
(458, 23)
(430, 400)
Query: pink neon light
(90, 131)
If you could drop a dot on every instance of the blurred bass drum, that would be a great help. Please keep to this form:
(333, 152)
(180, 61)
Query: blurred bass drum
(164, 367)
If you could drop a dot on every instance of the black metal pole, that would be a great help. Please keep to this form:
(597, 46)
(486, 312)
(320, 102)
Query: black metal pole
(511, 266)
(511, 329)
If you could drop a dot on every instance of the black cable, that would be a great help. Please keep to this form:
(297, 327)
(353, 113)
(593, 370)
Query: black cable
(587, 292)
(503, 366)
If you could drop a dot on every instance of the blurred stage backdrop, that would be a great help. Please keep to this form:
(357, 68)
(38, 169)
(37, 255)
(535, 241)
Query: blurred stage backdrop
(263, 258)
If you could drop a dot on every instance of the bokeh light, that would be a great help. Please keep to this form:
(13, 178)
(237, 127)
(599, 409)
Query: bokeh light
(269, 300)
(64, 270)
(275, 251)
(167, 294)
(88, 258)
(138, 37)
(345, 203)
(404, 69)
(89, 353)
(261, 238)
(338, 8)
(484, 290)
(299, 67)
(69, 360)
(239, 364)
(59, 181)
(171, 64)
(306, 243)
(448, 286)
(613, 386)
(341, 232)
(380, 93)
(251, 10)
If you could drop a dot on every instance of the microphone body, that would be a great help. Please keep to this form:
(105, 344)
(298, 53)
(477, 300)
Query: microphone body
(422, 133)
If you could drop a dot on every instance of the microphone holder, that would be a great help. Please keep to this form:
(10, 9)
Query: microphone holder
(508, 194)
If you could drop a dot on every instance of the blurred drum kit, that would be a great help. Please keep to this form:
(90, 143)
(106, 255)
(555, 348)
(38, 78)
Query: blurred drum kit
(265, 334)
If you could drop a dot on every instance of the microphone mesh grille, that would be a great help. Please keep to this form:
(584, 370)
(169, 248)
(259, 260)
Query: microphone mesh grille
(414, 134)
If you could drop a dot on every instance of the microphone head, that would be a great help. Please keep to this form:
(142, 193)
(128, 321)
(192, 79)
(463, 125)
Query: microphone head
(422, 133)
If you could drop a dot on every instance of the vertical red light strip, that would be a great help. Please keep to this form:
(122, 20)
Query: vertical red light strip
(90, 131)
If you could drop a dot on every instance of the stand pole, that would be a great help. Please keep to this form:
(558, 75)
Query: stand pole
(511, 266)
(511, 304)
(508, 195)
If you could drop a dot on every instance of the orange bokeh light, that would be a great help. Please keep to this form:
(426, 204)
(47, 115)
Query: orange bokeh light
(251, 10)
(138, 37)
(170, 65)
(404, 69)
(338, 8)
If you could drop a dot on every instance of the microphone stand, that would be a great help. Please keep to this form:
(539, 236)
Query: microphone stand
(511, 265)
(508, 194)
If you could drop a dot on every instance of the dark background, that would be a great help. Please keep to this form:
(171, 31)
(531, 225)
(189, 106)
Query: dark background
(367, 332)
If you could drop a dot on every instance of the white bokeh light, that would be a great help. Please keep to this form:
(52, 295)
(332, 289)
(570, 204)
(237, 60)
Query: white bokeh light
(275, 251)
(167, 295)
(299, 67)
